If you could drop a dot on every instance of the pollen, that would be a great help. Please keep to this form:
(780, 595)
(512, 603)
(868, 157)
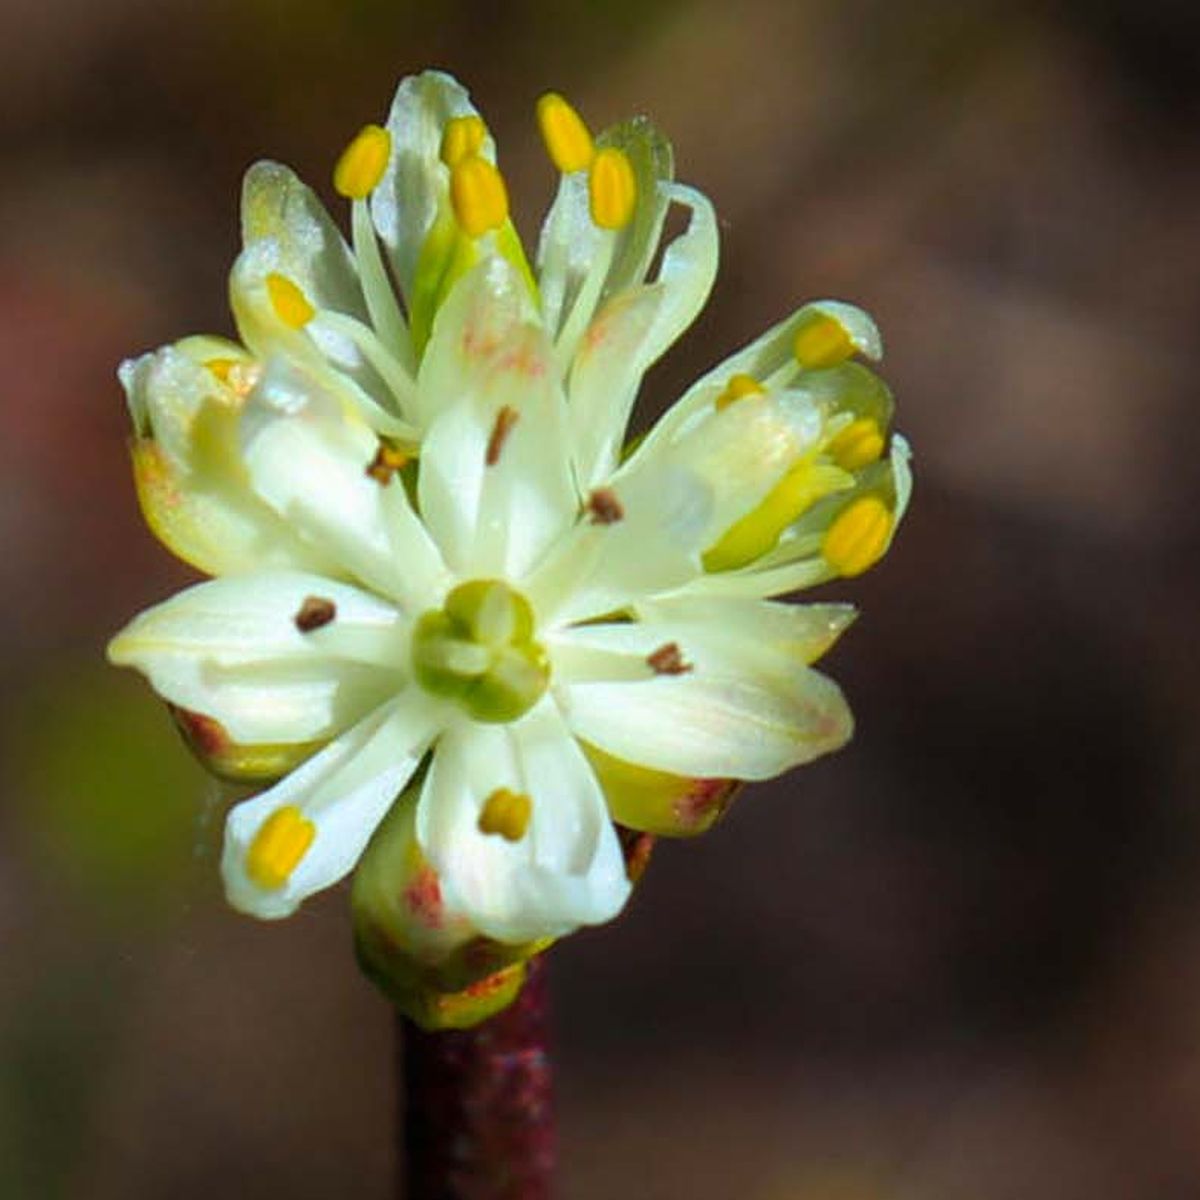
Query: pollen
(858, 536)
(387, 461)
(281, 842)
(315, 612)
(290, 303)
(221, 367)
(478, 195)
(821, 341)
(462, 138)
(738, 388)
(668, 660)
(568, 142)
(612, 188)
(363, 163)
(507, 813)
(604, 507)
(858, 445)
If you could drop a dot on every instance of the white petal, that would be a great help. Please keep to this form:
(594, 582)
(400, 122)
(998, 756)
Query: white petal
(676, 504)
(416, 183)
(191, 484)
(744, 706)
(767, 358)
(495, 487)
(309, 462)
(231, 649)
(628, 335)
(572, 248)
(567, 870)
(345, 790)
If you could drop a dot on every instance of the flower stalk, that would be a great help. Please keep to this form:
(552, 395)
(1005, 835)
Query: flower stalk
(477, 1118)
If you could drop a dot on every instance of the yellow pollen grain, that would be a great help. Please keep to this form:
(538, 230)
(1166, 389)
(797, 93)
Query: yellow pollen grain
(289, 302)
(507, 813)
(462, 138)
(221, 367)
(821, 342)
(363, 163)
(612, 188)
(478, 196)
(738, 388)
(858, 445)
(858, 536)
(281, 842)
(568, 142)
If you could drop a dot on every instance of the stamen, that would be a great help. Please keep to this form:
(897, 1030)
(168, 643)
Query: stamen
(478, 196)
(738, 388)
(282, 841)
(506, 813)
(604, 507)
(858, 536)
(363, 163)
(221, 367)
(290, 303)
(668, 660)
(568, 142)
(821, 341)
(387, 461)
(462, 138)
(858, 445)
(314, 612)
(612, 188)
(506, 418)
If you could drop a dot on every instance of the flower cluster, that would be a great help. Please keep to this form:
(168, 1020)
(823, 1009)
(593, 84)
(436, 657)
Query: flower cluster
(460, 633)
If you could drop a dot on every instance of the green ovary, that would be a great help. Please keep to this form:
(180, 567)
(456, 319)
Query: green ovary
(478, 649)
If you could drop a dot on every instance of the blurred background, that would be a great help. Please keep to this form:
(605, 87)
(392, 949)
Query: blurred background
(961, 958)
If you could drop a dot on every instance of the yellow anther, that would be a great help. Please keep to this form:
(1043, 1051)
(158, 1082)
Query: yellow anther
(858, 445)
(858, 536)
(461, 139)
(567, 139)
(281, 842)
(759, 530)
(507, 813)
(821, 341)
(738, 388)
(478, 195)
(612, 188)
(221, 367)
(290, 303)
(363, 163)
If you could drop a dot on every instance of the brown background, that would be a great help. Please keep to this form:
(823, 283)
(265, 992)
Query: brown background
(962, 958)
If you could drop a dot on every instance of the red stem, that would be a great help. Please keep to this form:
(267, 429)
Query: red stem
(478, 1121)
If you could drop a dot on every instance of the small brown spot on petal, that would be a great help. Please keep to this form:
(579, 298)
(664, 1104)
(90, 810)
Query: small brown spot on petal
(605, 507)
(506, 418)
(387, 461)
(668, 660)
(315, 612)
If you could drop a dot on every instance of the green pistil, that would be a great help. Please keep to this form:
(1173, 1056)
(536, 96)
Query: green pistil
(478, 649)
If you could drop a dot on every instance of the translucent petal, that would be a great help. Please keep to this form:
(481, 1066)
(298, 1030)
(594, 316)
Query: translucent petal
(737, 702)
(415, 186)
(495, 487)
(630, 332)
(191, 484)
(344, 792)
(767, 358)
(309, 462)
(567, 868)
(232, 650)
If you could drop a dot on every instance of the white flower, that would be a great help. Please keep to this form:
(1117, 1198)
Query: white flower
(429, 549)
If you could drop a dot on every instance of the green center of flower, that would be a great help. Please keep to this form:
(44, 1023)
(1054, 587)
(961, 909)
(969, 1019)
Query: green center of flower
(478, 649)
